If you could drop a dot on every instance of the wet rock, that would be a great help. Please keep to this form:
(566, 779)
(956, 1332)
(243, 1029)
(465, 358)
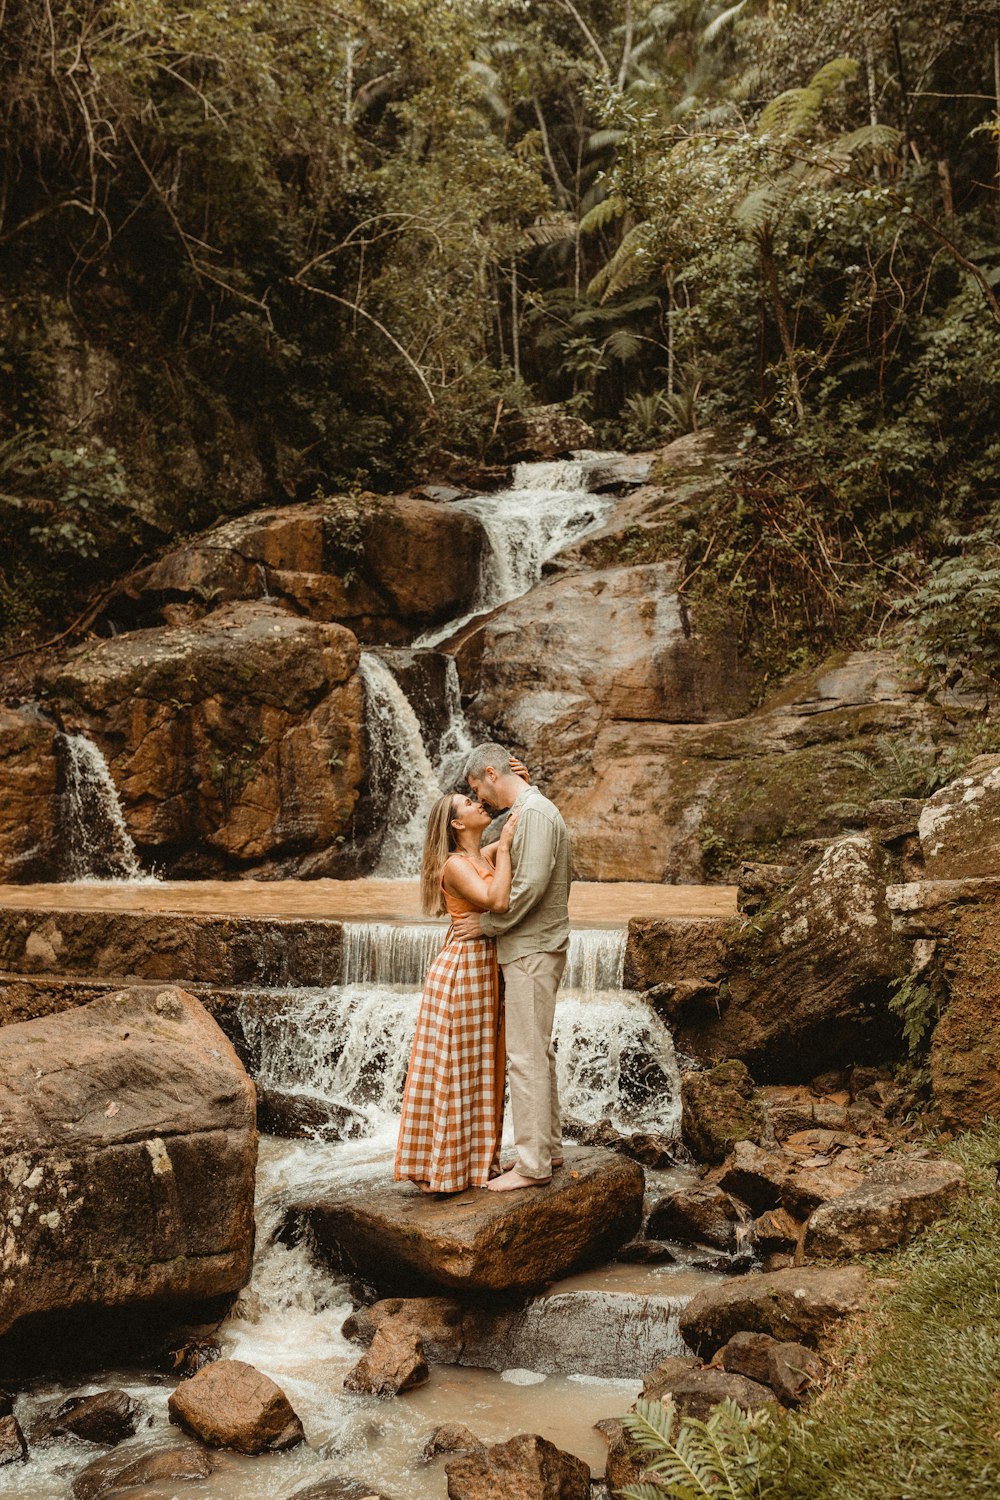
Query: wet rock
(797, 1305)
(453, 1437)
(960, 824)
(481, 1242)
(624, 1465)
(642, 1146)
(790, 1107)
(186, 1359)
(526, 1467)
(13, 1447)
(438, 1323)
(237, 740)
(29, 808)
(775, 1231)
(766, 1179)
(718, 1108)
(339, 1489)
(696, 1390)
(899, 1197)
(306, 1117)
(547, 432)
(646, 1253)
(701, 1212)
(122, 1473)
(229, 1404)
(109, 1417)
(791, 1370)
(127, 1152)
(665, 953)
(395, 1362)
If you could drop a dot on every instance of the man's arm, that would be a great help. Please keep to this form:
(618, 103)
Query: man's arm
(535, 862)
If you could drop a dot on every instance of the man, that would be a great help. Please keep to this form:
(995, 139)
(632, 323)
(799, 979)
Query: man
(532, 940)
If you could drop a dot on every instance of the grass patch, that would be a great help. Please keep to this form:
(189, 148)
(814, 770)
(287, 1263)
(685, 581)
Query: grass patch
(914, 1413)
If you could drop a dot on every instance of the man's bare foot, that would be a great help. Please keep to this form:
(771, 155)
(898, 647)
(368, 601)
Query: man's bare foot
(557, 1161)
(509, 1182)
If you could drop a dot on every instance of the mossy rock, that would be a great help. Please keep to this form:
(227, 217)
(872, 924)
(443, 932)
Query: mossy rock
(718, 1108)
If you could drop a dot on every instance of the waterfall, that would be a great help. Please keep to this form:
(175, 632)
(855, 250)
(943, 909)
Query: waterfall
(350, 1044)
(456, 740)
(97, 843)
(548, 506)
(404, 785)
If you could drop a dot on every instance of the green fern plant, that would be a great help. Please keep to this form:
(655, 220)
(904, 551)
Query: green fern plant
(720, 1459)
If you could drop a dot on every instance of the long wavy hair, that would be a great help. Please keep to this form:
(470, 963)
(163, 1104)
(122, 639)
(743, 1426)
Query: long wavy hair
(440, 840)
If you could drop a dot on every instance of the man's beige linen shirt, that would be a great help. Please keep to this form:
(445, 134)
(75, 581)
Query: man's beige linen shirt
(537, 920)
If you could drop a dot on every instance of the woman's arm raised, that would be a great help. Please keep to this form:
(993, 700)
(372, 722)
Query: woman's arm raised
(462, 879)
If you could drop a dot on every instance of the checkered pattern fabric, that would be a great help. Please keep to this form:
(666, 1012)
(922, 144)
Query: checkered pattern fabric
(449, 1136)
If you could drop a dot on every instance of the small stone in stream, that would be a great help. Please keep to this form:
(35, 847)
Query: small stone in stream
(453, 1437)
(526, 1467)
(339, 1489)
(646, 1253)
(229, 1404)
(436, 1321)
(137, 1468)
(799, 1304)
(186, 1359)
(394, 1362)
(109, 1417)
(13, 1448)
(899, 1197)
(701, 1212)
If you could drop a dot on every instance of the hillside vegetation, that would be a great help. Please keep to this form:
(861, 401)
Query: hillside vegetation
(250, 250)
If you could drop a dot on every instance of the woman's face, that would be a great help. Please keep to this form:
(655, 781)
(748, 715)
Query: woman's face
(468, 813)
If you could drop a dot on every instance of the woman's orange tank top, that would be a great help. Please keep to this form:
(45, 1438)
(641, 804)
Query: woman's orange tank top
(457, 906)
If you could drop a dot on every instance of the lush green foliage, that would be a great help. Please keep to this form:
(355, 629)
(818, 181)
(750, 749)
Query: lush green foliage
(719, 1459)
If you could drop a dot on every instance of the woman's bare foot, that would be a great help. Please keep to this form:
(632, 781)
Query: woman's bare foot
(509, 1182)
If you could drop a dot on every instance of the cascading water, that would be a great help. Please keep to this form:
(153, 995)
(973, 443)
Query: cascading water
(97, 844)
(548, 506)
(403, 781)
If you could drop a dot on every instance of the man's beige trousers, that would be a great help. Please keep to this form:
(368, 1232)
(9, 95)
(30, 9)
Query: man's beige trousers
(531, 983)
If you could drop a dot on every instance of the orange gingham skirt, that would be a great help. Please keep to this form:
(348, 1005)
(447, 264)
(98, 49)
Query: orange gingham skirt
(449, 1136)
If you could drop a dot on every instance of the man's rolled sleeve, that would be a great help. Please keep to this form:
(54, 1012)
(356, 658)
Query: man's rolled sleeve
(535, 860)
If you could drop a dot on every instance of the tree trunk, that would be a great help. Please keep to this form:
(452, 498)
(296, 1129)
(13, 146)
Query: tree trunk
(770, 272)
(515, 314)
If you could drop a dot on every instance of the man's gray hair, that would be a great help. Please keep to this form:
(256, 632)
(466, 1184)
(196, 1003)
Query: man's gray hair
(484, 757)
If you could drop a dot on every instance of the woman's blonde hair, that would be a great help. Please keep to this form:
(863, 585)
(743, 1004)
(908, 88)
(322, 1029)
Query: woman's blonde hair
(439, 841)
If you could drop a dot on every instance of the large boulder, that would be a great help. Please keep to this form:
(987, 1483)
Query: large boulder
(771, 1179)
(386, 567)
(524, 1468)
(546, 432)
(959, 825)
(719, 1106)
(233, 741)
(808, 982)
(128, 1151)
(797, 1305)
(791, 1370)
(231, 1405)
(899, 1197)
(29, 804)
(476, 1242)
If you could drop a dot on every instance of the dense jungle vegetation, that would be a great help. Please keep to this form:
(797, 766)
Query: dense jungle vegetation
(252, 249)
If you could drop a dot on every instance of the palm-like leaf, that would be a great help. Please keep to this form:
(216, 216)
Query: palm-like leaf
(610, 208)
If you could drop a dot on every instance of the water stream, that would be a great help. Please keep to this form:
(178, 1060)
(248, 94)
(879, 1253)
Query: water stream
(96, 842)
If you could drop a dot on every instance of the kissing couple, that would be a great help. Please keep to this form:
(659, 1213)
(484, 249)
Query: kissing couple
(508, 904)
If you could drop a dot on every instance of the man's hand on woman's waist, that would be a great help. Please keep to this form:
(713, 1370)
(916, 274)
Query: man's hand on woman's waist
(468, 926)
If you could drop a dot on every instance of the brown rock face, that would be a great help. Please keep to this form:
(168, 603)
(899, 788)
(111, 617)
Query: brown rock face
(29, 807)
(395, 1362)
(128, 1151)
(718, 1108)
(233, 741)
(697, 1392)
(796, 1305)
(965, 1045)
(436, 1322)
(960, 825)
(898, 1198)
(808, 988)
(790, 1370)
(483, 1242)
(767, 1180)
(339, 1489)
(13, 1448)
(547, 432)
(385, 567)
(133, 1470)
(232, 1405)
(625, 1464)
(525, 1468)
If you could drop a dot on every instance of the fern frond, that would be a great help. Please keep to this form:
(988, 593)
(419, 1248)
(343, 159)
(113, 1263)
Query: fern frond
(717, 27)
(834, 74)
(628, 266)
(650, 1423)
(598, 139)
(795, 110)
(622, 344)
(549, 231)
(610, 208)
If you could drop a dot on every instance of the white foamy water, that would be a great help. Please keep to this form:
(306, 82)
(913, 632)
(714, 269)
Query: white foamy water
(96, 842)
(548, 506)
(402, 780)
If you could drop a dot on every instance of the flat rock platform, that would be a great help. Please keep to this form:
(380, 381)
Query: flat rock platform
(591, 903)
(477, 1243)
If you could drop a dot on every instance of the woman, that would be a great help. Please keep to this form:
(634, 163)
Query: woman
(449, 1136)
